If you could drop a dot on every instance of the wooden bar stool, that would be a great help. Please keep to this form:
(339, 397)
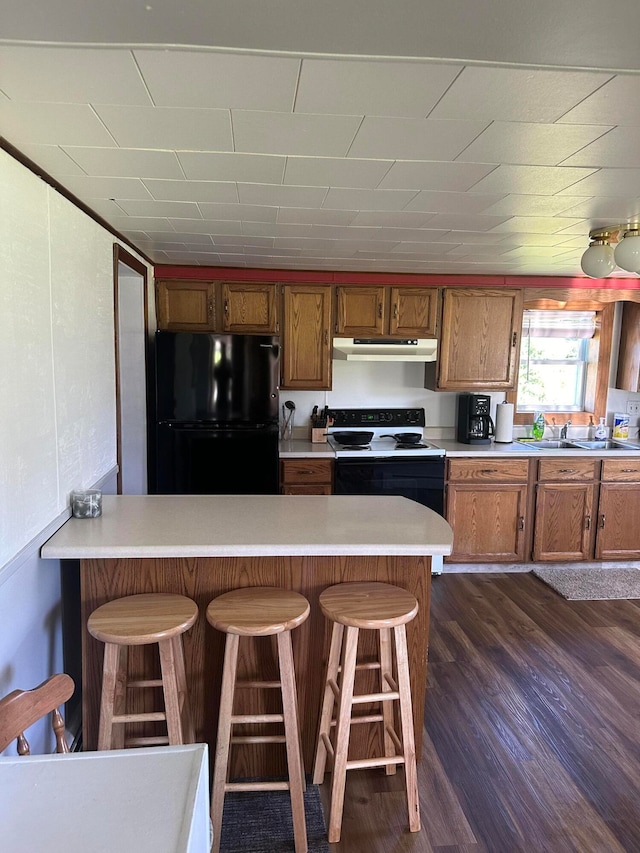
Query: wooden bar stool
(259, 612)
(139, 620)
(383, 608)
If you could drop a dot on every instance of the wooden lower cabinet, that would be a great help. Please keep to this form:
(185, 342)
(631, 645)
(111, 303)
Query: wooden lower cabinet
(564, 515)
(617, 531)
(306, 476)
(487, 508)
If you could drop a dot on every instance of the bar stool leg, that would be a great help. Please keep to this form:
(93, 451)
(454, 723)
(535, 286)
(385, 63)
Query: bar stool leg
(185, 705)
(291, 730)
(328, 701)
(343, 726)
(386, 673)
(224, 736)
(406, 717)
(114, 690)
(170, 689)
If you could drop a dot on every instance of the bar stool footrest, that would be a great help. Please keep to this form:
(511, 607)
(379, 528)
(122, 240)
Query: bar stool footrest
(256, 786)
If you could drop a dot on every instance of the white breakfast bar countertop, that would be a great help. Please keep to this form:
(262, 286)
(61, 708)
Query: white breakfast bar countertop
(252, 525)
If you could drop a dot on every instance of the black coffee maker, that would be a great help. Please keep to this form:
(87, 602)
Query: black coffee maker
(474, 423)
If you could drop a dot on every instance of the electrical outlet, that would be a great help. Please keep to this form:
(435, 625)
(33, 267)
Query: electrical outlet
(633, 407)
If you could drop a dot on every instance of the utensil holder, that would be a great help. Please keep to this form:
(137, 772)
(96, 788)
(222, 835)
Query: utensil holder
(318, 435)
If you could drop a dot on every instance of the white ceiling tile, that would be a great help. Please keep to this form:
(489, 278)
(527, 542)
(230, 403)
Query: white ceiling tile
(613, 209)
(535, 224)
(413, 138)
(614, 182)
(275, 251)
(372, 88)
(251, 212)
(516, 94)
(462, 222)
(260, 132)
(105, 207)
(335, 172)
(207, 226)
(530, 143)
(185, 78)
(168, 209)
(534, 180)
(238, 242)
(450, 202)
(109, 188)
(189, 239)
(251, 168)
(207, 191)
(476, 249)
(353, 244)
(71, 75)
(532, 205)
(172, 128)
(418, 249)
(126, 162)
(528, 239)
(307, 244)
(436, 176)
(270, 229)
(52, 124)
(418, 235)
(617, 102)
(392, 219)
(330, 232)
(354, 199)
(139, 223)
(270, 194)
(617, 148)
(52, 159)
(481, 237)
(291, 215)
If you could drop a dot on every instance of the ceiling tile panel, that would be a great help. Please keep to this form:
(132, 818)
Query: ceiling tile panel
(291, 215)
(107, 188)
(347, 199)
(207, 191)
(535, 224)
(173, 209)
(126, 162)
(516, 94)
(613, 209)
(250, 168)
(413, 138)
(52, 124)
(537, 180)
(71, 75)
(162, 127)
(184, 78)
(436, 176)
(335, 172)
(392, 219)
(618, 148)
(269, 194)
(207, 226)
(372, 88)
(52, 159)
(614, 182)
(533, 205)
(260, 132)
(253, 212)
(462, 222)
(617, 102)
(449, 202)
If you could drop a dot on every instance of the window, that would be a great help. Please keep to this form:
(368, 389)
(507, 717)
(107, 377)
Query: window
(554, 358)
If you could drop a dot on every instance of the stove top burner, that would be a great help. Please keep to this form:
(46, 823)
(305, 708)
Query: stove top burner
(411, 446)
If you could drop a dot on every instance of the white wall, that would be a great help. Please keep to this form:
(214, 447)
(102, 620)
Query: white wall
(57, 386)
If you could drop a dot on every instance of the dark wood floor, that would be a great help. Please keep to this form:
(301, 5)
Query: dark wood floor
(532, 728)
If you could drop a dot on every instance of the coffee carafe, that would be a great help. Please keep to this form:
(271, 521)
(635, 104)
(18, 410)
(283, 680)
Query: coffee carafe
(474, 424)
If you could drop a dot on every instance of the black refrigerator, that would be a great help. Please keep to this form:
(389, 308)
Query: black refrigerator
(216, 414)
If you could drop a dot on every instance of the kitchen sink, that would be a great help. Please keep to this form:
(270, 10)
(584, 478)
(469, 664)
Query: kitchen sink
(605, 444)
(548, 444)
(579, 444)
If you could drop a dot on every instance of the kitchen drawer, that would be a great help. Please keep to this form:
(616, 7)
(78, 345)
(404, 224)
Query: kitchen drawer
(305, 471)
(488, 470)
(567, 468)
(317, 489)
(621, 470)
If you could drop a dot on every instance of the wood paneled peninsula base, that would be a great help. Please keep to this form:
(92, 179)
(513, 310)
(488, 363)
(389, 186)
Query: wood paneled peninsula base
(203, 546)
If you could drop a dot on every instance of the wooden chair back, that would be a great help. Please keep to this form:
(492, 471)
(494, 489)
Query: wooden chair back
(22, 708)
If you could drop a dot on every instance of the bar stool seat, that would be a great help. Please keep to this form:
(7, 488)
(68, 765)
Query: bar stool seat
(259, 612)
(384, 608)
(139, 620)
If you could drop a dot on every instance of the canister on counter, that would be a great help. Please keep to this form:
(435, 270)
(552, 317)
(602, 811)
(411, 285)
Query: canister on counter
(620, 425)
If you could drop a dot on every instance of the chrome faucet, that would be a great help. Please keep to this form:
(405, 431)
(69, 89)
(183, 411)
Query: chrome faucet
(563, 431)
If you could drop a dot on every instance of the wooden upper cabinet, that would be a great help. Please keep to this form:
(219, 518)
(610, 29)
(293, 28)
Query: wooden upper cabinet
(479, 340)
(217, 306)
(306, 336)
(249, 308)
(186, 306)
(628, 378)
(397, 312)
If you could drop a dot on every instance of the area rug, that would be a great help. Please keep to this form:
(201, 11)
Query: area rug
(590, 584)
(257, 822)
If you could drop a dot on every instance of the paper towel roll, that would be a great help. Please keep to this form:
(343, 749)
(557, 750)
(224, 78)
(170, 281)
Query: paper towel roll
(504, 422)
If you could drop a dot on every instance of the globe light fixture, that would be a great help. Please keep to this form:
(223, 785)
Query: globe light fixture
(627, 252)
(598, 260)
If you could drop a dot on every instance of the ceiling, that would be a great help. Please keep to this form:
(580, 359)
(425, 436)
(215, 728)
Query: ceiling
(308, 136)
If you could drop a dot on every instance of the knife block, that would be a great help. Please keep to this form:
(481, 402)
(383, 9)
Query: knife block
(318, 435)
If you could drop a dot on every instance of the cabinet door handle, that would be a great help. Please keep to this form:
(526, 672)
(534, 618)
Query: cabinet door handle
(515, 339)
(226, 307)
(602, 520)
(521, 523)
(629, 470)
(587, 522)
(210, 307)
(379, 309)
(326, 337)
(488, 470)
(395, 310)
(567, 470)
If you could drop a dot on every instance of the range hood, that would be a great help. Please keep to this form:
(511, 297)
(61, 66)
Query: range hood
(385, 349)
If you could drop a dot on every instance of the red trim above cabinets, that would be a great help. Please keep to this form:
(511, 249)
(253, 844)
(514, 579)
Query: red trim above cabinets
(409, 279)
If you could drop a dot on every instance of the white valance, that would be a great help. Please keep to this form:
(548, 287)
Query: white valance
(559, 324)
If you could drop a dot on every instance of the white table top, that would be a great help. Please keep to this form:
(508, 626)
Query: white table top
(149, 800)
(252, 525)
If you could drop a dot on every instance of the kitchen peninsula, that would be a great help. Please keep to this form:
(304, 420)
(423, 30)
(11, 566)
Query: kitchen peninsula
(202, 546)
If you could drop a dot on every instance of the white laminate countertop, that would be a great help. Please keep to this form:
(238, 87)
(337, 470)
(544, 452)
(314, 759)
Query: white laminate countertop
(252, 525)
(299, 449)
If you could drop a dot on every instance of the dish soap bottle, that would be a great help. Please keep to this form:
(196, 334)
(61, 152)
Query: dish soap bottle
(600, 432)
(537, 430)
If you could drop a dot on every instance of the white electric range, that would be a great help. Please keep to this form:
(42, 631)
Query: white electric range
(388, 427)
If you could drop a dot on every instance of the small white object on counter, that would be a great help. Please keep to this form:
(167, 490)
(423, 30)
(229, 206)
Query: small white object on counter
(504, 423)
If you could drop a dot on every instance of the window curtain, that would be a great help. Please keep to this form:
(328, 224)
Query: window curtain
(559, 324)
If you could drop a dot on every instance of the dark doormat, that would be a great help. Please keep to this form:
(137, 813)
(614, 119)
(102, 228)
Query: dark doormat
(590, 584)
(258, 822)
